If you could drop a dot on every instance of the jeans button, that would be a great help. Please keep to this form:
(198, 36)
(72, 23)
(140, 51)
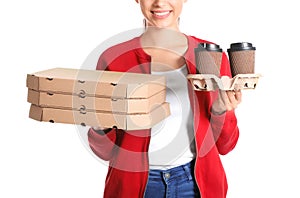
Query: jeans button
(167, 175)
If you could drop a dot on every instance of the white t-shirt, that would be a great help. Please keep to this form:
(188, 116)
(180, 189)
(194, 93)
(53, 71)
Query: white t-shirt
(172, 140)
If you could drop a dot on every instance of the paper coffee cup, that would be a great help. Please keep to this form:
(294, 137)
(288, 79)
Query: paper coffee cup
(242, 58)
(208, 58)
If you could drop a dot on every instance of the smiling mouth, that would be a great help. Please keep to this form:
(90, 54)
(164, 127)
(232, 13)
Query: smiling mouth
(161, 14)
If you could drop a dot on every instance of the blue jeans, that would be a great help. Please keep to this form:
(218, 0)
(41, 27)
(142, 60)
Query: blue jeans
(172, 183)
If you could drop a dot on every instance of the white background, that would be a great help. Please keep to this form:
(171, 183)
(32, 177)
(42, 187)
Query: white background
(50, 160)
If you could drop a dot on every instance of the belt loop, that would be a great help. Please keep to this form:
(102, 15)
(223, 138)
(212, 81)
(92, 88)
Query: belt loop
(188, 171)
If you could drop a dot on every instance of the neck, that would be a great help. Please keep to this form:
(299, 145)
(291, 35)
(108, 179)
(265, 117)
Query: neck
(162, 37)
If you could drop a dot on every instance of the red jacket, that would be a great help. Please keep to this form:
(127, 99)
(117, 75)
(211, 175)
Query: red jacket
(127, 151)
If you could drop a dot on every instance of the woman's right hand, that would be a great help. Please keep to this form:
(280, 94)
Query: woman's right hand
(99, 128)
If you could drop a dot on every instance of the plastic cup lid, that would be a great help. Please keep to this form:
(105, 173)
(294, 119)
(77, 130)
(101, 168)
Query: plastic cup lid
(208, 47)
(241, 46)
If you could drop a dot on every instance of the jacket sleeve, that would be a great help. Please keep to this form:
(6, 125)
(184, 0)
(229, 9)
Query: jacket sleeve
(226, 131)
(225, 128)
(120, 58)
(102, 144)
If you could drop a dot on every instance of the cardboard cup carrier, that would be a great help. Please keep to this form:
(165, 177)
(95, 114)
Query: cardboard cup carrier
(208, 59)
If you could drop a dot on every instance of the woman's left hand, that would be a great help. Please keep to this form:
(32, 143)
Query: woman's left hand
(226, 101)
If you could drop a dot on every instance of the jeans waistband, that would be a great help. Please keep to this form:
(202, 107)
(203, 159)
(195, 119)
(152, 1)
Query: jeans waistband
(174, 182)
(187, 169)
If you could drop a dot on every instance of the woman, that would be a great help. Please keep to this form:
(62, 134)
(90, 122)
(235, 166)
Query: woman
(189, 165)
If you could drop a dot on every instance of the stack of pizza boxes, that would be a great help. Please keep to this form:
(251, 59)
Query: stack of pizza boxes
(128, 101)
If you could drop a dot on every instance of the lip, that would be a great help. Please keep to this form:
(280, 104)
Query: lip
(161, 14)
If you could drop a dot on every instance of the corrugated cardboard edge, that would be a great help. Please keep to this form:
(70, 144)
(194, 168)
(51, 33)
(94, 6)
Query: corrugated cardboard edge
(33, 97)
(36, 113)
(32, 82)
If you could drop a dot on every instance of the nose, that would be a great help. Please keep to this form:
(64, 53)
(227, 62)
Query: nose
(160, 3)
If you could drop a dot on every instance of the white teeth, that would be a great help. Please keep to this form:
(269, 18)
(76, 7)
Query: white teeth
(161, 13)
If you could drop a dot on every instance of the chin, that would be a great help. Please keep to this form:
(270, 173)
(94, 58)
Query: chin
(164, 26)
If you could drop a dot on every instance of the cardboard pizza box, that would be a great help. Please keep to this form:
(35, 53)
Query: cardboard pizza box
(96, 83)
(100, 118)
(75, 101)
